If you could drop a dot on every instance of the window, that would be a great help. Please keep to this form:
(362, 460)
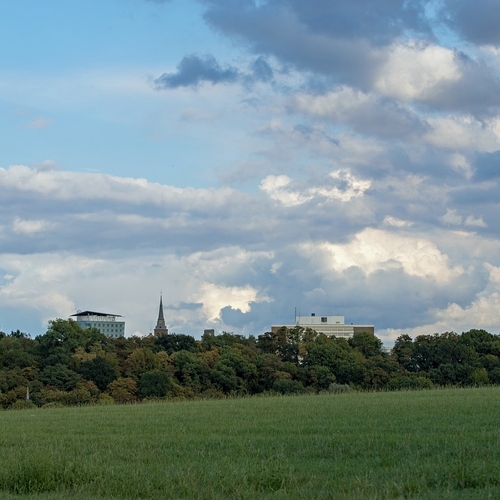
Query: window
(324, 319)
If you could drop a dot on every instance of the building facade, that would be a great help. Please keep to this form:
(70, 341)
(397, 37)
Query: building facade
(328, 325)
(106, 323)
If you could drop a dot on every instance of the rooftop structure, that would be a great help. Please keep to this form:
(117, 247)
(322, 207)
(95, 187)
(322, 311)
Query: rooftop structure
(161, 328)
(104, 322)
(328, 325)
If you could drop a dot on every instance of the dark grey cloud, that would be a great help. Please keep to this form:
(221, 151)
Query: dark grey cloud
(193, 70)
(476, 20)
(367, 114)
(487, 166)
(338, 39)
(477, 195)
(386, 119)
(349, 43)
(261, 69)
(477, 91)
(380, 21)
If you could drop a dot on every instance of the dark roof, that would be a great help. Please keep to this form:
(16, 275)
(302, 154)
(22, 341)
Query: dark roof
(93, 313)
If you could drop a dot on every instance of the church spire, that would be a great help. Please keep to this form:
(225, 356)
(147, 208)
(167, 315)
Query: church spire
(161, 328)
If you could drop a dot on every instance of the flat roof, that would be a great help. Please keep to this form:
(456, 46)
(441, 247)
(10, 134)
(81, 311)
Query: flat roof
(94, 313)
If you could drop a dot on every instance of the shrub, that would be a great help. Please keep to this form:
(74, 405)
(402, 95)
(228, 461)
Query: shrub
(409, 382)
(284, 386)
(338, 388)
(23, 405)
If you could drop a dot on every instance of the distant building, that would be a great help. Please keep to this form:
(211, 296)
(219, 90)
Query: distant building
(104, 322)
(328, 325)
(161, 328)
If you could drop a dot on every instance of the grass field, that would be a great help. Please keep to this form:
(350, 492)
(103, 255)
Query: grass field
(427, 444)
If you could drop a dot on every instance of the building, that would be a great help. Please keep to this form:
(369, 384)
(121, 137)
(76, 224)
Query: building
(160, 328)
(104, 322)
(328, 325)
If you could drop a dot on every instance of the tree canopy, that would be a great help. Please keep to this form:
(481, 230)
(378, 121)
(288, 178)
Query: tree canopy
(70, 365)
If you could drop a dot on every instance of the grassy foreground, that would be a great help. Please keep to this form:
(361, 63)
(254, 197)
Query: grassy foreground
(428, 444)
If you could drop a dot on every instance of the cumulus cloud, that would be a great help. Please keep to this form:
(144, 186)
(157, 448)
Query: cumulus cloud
(216, 297)
(414, 72)
(451, 217)
(475, 222)
(373, 250)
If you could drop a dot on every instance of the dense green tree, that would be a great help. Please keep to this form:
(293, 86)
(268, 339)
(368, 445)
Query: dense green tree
(482, 342)
(140, 360)
(123, 390)
(367, 344)
(62, 339)
(17, 352)
(60, 377)
(176, 342)
(226, 339)
(288, 343)
(155, 383)
(100, 371)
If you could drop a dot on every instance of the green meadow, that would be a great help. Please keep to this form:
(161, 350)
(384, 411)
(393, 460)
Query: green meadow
(421, 444)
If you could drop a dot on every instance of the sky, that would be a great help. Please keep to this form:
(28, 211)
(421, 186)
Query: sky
(248, 157)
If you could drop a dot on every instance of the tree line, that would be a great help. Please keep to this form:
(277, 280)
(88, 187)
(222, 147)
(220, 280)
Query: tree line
(69, 365)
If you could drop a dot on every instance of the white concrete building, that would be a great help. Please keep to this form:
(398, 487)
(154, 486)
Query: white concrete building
(104, 322)
(328, 325)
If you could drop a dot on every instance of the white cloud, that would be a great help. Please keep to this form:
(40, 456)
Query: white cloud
(462, 133)
(475, 222)
(494, 273)
(215, 297)
(338, 104)
(451, 217)
(460, 164)
(275, 186)
(63, 185)
(281, 188)
(414, 71)
(375, 249)
(394, 221)
(31, 227)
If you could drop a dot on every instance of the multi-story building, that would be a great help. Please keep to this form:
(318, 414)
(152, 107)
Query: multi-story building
(104, 322)
(328, 325)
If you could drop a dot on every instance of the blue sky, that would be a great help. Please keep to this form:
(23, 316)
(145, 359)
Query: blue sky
(250, 157)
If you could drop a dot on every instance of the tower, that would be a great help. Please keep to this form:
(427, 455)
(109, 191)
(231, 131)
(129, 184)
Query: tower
(160, 329)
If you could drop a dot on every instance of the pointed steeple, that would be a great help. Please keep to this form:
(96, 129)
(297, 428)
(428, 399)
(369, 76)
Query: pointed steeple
(161, 327)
